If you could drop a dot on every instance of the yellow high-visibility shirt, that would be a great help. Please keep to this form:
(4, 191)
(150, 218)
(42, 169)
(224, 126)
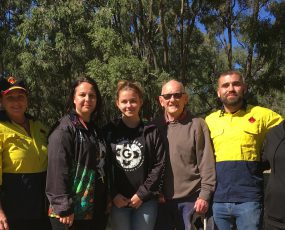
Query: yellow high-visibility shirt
(238, 140)
(21, 153)
(239, 136)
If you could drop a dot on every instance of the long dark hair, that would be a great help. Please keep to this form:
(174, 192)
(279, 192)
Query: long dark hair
(70, 104)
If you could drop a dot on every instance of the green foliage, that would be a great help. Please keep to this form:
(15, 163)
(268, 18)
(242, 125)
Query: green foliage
(274, 99)
(50, 43)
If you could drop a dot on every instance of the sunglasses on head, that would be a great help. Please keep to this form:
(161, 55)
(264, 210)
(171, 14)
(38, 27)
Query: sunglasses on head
(169, 95)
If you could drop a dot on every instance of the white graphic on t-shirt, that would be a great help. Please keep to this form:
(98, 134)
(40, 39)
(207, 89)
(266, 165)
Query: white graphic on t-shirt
(129, 154)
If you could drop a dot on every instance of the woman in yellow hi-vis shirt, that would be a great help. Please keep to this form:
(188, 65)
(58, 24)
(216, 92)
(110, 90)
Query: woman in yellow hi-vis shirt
(23, 162)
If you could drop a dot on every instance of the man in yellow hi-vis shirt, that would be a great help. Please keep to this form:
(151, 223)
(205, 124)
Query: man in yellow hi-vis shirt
(237, 132)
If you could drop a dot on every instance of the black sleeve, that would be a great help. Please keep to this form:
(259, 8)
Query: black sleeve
(265, 165)
(107, 133)
(59, 182)
(156, 151)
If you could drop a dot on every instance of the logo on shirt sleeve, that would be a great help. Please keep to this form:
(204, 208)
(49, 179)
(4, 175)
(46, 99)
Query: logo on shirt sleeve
(251, 119)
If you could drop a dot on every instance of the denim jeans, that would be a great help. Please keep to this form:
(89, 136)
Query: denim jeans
(142, 218)
(246, 216)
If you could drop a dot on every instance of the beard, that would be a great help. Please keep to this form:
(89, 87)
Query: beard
(232, 102)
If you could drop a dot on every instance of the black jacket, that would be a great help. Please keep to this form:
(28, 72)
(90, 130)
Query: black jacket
(137, 159)
(274, 156)
(76, 158)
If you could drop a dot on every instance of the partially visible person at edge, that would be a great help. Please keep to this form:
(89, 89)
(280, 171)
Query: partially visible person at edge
(76, 186)
(137, 163)
(238, 131)
(189, 179)
(274, 157)
(23, 162)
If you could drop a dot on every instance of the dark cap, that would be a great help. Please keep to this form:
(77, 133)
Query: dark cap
(10, 84)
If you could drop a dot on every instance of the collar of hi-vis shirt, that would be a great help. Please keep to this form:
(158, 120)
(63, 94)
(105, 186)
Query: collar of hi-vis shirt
(242, 108)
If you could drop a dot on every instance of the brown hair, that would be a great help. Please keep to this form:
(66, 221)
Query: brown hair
(232, 72)
(128, 85)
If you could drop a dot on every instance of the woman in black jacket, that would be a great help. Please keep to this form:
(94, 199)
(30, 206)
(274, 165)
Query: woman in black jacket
(76, 185)
(137, 161)
(274, 157)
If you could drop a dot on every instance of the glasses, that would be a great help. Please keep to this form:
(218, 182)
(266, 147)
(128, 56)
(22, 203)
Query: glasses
(168, 96)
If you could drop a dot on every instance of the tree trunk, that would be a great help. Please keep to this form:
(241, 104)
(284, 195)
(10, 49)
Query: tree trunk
(253, 23)
(229, 14)
(164, 35)
(182, 48)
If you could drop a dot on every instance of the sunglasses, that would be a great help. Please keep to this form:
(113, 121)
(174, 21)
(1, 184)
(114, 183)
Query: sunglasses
(168, 96)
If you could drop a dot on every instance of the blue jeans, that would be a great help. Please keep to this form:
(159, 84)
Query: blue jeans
(142, 218)
(246, 216)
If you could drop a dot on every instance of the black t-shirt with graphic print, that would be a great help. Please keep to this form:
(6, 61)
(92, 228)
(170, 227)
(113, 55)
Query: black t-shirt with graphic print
(136, 159)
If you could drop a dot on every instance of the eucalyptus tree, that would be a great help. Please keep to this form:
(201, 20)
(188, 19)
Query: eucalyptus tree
(246, 32)
(55, 49)
(271, 48)
(115, 59)
(50, 42)
(152, 41)
(11, 15)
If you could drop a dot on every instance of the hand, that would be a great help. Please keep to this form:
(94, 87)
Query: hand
(161, 198)
(108, 205)
(3, 221)
(120, 201)
(201, 206)
(68, 220)
(135, 201)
